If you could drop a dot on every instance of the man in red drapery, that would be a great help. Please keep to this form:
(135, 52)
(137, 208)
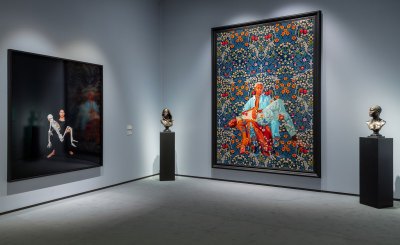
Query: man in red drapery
(246, 123)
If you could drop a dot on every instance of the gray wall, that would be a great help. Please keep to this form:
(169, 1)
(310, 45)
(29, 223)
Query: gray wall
(152, 60)
(360, 65)
(123, 36)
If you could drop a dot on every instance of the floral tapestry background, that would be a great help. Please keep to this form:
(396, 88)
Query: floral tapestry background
(280, 55)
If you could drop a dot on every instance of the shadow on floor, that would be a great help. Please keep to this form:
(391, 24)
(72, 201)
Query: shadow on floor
(397, 188)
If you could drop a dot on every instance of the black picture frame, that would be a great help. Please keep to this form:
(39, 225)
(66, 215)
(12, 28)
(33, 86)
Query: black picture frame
(75, 79)
(316, 105)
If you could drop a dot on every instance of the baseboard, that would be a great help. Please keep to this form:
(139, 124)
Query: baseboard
(280, 186)
(180, 175)
(78, 194)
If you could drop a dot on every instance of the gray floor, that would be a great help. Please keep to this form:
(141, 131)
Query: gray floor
(196, 211)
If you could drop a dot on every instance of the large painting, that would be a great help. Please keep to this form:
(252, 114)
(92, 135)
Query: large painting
(54, 117)
(266, 95)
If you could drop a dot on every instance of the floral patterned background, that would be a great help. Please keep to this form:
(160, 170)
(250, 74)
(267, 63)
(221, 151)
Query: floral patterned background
(280, 55)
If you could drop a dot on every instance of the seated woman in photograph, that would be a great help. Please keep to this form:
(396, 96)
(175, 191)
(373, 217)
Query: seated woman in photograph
(59, 127)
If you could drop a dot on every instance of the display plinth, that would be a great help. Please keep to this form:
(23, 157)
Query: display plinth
(376, 171)
(167, 156)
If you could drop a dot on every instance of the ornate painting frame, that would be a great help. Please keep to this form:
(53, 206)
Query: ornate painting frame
(266, 86)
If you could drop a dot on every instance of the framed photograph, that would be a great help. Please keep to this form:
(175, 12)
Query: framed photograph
(55, 115)
(266, 87)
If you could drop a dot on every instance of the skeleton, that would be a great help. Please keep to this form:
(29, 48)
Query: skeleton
(54, 125)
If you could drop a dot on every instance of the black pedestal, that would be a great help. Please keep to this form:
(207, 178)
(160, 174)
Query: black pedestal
(376, 172)
(167, 156)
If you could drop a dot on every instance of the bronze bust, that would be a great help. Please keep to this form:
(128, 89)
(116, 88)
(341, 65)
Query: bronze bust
(166, 119)
(376, 123)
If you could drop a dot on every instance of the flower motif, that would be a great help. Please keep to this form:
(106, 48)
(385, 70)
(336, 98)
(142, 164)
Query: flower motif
(303, 31)
(303, 91)
(285, 148)
(285, 91)
(285, 32)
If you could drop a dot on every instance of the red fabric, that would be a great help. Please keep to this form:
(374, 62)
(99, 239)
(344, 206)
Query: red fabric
(263, 135)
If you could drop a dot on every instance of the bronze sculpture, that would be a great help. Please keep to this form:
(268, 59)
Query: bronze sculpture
(376, 123)
(166, 119)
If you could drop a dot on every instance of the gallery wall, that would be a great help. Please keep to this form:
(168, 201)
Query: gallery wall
(157, 54)
(359, 69)
(121, 35)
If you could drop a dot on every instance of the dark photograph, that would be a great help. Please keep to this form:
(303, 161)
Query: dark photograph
(55, 115)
